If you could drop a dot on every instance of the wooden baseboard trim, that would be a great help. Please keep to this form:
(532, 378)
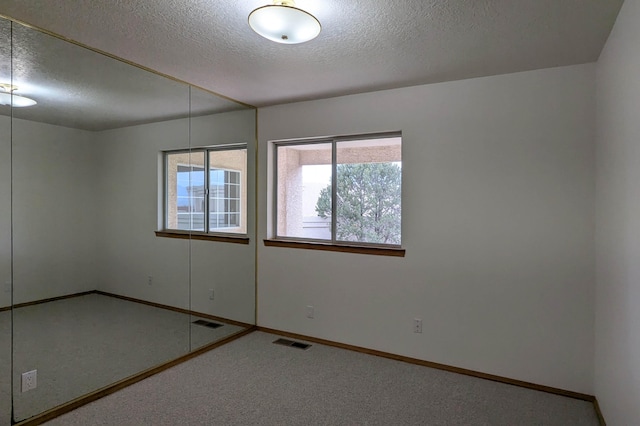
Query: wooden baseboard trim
(599, 412)
(108, 390)
(452, 369)
(175, 309)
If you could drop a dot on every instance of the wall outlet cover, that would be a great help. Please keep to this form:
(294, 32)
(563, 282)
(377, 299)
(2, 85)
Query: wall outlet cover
(417, 325)
(29, 380)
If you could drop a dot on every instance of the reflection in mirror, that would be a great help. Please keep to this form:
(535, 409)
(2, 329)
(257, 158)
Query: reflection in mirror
(223, 273)
(80, 218)
(5, 229)
(97, 296)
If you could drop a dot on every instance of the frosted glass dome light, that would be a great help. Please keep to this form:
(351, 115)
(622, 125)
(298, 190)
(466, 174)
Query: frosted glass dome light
(7, 97)
(283, 22)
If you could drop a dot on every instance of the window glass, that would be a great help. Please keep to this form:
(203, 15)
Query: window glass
(190, 190)
(367, 196)
(185, 198)
(304, 171)
(228, 190)
(369, 182)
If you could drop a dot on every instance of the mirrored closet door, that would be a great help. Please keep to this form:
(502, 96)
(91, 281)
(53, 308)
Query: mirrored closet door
(5, 225)
(223, 243)
(127, 220)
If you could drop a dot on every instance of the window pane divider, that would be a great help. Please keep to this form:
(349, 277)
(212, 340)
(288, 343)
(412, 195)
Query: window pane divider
(334, 190)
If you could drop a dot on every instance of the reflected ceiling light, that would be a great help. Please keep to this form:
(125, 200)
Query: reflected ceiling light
(7, 97)
(283, 22)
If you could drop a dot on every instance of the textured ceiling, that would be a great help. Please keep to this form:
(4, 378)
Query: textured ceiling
(79, 88)
(364, 45)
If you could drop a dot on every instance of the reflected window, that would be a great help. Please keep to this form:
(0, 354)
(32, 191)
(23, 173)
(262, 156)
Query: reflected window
(206, 190)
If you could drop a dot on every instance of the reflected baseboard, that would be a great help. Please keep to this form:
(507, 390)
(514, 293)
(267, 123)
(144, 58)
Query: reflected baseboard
(175, 309)
(50, 299)
(130, 299)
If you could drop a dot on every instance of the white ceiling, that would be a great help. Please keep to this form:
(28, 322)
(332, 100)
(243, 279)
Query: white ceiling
(365, 45)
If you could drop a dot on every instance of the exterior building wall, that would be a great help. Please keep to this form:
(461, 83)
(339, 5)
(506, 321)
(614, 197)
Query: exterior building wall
(289, 191)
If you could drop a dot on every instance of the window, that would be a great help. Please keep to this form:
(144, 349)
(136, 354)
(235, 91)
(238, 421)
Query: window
(206, 190)
(343, 190)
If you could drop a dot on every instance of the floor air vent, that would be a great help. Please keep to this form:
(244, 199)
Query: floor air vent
(208, 324)
(286, 342)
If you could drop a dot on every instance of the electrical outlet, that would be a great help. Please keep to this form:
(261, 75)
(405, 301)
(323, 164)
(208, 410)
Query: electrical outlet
(7, 286)
(417, 325)
(29, 380)
(150, 280)
(309, 311)
(211, 294)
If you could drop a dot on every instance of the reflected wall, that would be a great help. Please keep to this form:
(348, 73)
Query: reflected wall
(97, 295)
(223, 274)
(5, 230)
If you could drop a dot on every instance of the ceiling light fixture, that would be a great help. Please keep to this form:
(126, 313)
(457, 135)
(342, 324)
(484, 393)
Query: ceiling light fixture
(7, 97)
(283, 22)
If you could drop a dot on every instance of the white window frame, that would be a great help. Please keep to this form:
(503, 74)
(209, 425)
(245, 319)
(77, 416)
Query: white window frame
(206, 211)
(334, 141)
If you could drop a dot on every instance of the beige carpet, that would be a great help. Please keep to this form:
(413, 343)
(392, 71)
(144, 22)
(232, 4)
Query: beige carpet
(81, 344)
(251, 381)
(5, 368)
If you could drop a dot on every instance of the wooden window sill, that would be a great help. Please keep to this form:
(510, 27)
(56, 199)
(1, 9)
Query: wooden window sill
(343, 248)
(235, 239)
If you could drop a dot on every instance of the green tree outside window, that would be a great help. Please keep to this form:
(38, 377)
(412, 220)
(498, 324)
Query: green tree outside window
(368, 207)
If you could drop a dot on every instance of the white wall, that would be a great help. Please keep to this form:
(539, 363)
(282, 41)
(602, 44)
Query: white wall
(498, 226)
(130, 167)
(54, 211)
(617, 363)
